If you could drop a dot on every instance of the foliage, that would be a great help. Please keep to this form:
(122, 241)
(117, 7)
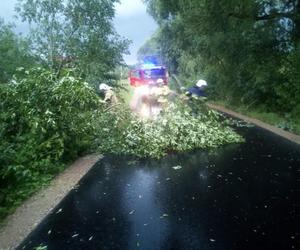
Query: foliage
(45, 122)
(47, 117)
(248, 51)
(75, 33)
(14, 52)
(48, 114)
(182, 127)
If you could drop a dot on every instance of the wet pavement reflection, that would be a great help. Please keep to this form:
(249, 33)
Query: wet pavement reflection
(244, 196)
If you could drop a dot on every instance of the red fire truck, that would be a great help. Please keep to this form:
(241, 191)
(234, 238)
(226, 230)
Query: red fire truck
(148, 75)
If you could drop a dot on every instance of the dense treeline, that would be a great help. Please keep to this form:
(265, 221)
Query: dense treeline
(249, 51)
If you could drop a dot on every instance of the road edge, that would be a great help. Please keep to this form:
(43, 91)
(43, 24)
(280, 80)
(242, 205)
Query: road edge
(285, 134)
(26, 217)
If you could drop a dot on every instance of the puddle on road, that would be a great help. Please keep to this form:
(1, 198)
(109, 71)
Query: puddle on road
(242, 196)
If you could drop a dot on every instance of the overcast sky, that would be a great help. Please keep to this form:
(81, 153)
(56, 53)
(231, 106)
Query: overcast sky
(132, 21)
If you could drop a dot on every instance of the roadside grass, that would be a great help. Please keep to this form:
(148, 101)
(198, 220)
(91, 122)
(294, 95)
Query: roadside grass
(277, 120)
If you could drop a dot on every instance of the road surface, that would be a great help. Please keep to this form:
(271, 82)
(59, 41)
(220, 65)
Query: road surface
(244, 196)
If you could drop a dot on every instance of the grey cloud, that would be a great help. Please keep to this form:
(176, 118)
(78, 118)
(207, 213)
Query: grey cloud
(137, 25)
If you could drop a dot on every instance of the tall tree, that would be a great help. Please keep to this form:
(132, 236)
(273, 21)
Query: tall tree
(247, 50)
(75, 32)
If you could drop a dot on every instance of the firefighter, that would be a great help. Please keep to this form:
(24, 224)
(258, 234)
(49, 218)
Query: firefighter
(198, 90)
(148, 100)
(109, 94)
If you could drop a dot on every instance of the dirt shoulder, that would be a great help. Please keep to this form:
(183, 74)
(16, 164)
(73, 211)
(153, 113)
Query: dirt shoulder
(18, 225)
(278, 131)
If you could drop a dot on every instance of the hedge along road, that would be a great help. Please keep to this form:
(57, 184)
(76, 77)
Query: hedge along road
(243, 196)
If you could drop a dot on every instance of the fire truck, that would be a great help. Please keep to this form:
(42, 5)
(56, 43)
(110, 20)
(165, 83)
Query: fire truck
(148, 74)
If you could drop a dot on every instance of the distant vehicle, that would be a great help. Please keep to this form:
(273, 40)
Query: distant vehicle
(148, 75)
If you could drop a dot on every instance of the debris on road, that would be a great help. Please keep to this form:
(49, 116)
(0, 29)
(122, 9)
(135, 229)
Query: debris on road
(177, 167)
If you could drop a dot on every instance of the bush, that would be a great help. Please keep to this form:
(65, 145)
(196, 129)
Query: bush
(45, 122)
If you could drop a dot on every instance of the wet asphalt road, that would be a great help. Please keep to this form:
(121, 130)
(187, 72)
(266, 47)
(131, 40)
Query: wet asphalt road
(244, 196)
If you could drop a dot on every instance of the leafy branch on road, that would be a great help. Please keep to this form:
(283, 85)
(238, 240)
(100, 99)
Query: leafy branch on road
(179, 128)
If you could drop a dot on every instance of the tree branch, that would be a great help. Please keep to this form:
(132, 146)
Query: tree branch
(271, 16)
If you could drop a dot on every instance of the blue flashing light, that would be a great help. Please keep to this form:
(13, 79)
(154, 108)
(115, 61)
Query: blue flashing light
(148, 65)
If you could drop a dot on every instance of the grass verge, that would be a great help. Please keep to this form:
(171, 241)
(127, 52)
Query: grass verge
(277, 120)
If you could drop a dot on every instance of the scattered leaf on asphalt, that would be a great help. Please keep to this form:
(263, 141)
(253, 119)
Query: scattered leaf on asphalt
(177, 167)
(41, 248)
(131, 163)
(164, 215)
(59, 211)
